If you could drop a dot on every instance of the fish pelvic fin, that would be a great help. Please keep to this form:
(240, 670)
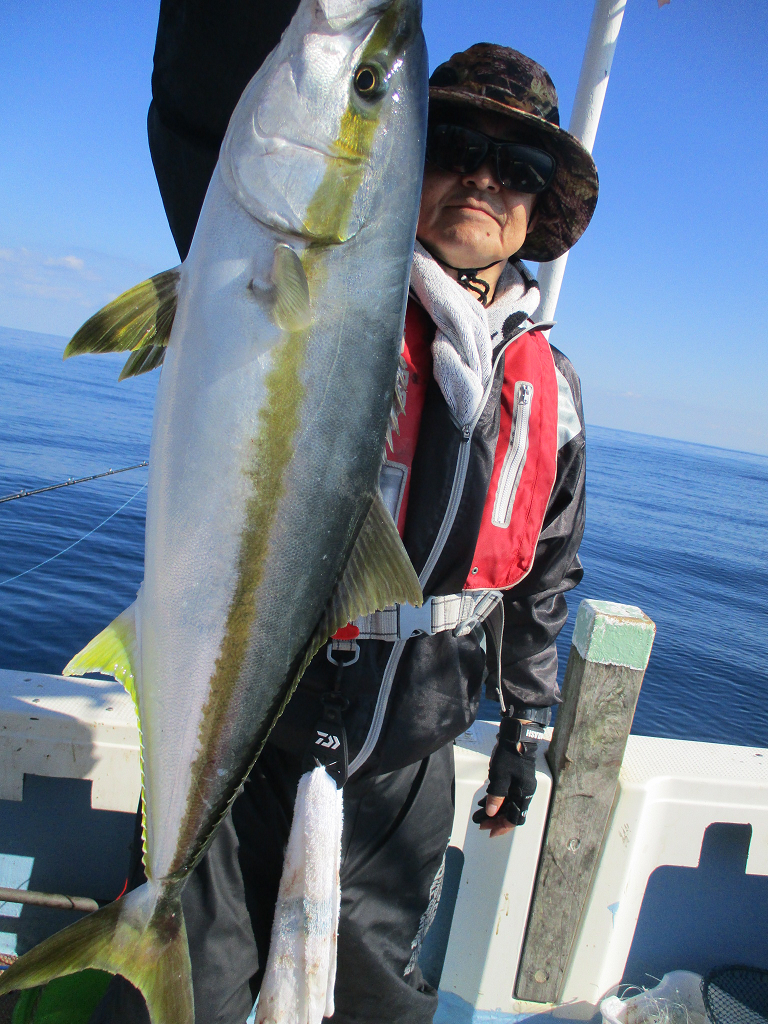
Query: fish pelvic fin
(139, 321)
(141, 936)
(379, 573)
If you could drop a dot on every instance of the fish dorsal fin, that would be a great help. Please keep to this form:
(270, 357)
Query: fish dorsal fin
(379, 573)
(139, 321)
(290, 299)
(113, 652)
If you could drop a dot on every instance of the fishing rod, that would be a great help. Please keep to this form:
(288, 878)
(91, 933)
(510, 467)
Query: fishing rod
(70, 482)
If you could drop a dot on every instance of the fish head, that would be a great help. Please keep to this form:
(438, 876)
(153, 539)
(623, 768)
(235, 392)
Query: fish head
(340, 100)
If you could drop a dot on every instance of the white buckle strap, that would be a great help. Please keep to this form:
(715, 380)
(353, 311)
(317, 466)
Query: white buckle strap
(457, 612)
(412, 621)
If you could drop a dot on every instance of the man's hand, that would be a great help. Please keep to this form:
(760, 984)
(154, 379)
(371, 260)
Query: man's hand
(494, 822)
(511, 781)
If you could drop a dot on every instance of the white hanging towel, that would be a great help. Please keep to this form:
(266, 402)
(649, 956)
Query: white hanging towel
(301, 967)
(462, 352)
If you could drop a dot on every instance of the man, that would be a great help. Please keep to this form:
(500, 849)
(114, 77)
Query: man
(485, 480)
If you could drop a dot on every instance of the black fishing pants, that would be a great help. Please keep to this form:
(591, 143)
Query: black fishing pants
(396, 829)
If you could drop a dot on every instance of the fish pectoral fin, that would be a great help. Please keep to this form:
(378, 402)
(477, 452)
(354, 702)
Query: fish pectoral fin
(140, 937)
(139, 321)
(289, 296)
(379, 573)
(113, 652)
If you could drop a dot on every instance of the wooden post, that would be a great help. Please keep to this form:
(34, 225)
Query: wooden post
(609, 653)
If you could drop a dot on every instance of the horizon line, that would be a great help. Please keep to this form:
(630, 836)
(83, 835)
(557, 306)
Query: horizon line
(600, 426)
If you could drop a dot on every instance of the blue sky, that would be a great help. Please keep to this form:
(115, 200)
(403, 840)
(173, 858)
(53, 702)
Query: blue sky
(663, 309)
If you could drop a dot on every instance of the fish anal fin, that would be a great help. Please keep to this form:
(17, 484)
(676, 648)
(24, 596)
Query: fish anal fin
(141, 937)
(140, 318)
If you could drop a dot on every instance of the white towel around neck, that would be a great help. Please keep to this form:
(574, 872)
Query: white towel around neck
(462, 351)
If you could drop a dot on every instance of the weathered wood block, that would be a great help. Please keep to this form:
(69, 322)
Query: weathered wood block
(609, 655)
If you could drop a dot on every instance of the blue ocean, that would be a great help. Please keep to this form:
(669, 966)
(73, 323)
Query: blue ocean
(679, 529)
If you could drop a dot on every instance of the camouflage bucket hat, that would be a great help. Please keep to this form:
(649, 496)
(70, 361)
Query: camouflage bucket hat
(499, 79)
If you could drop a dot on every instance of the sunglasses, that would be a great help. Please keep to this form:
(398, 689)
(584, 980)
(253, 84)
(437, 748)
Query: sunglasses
(463, 150)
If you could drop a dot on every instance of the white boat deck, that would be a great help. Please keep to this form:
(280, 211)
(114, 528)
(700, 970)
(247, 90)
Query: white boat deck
(682, 881)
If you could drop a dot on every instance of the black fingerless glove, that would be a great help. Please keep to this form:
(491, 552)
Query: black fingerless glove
(511, 774)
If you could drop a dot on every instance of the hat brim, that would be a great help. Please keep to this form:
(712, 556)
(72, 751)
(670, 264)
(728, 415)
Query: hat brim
(566, 208)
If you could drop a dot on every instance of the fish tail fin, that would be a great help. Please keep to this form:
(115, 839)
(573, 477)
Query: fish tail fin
(142, 937)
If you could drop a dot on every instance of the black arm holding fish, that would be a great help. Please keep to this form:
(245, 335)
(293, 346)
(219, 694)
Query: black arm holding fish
(205, 54)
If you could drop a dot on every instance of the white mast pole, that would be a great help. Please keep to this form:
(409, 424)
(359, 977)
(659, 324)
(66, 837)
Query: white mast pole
(587, 106)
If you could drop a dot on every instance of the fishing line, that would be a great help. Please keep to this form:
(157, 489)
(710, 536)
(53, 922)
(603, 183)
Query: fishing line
(70, 482)
(76, 542)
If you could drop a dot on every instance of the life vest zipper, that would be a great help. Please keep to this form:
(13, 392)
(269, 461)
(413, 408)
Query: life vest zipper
(514, 460)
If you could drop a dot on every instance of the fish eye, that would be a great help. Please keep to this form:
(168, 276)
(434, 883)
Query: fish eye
(368, 81)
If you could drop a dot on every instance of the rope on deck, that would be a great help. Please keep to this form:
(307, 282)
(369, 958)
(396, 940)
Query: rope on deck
(48, 899)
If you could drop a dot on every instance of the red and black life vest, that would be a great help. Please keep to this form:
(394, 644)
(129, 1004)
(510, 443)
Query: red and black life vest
(525, 461)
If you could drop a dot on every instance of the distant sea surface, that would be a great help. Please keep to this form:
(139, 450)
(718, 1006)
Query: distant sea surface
(679, 529)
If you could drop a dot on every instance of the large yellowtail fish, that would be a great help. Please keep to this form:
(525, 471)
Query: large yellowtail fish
(265, 531)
